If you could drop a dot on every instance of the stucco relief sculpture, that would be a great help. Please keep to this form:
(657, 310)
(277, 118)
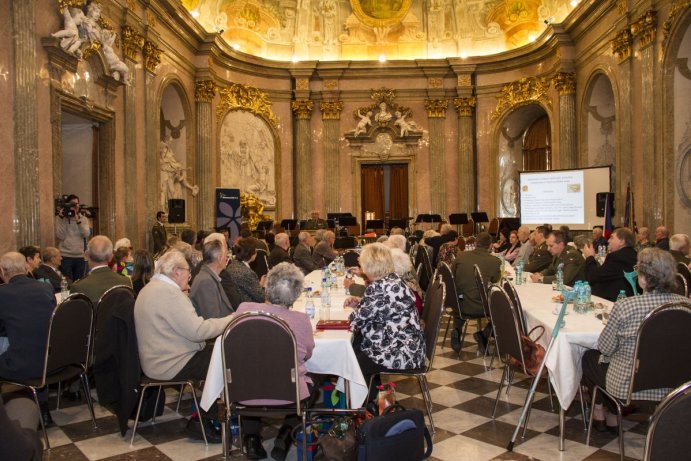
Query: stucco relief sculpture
(388, 116)
(173, 176)
(405, 125)
(365, 121)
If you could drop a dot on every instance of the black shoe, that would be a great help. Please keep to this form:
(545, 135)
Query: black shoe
(599, 425)
(613, 429)
(282, 443)
(194, 430)
(456, 340)
(481, 341)
(254, 448)
(45, 414)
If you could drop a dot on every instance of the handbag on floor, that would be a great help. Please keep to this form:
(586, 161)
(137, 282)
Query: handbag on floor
(398, 434)
(533, 353)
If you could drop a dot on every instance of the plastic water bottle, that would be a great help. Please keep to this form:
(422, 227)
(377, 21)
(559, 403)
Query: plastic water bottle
(64, 289)
(560, 277)
(309, 305)
(621, 295)
(587, 295)
(235, 431)
(325, 296)
(519, 273)
(578, 297)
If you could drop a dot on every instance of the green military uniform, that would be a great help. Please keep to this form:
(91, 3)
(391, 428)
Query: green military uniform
(98, 281)
(312, 224)
(463, 270)
(160, 236)
(574, 266)
(539, 260)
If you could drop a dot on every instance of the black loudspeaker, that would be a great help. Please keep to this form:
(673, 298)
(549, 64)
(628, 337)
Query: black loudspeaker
(176, 210)
(601, 199)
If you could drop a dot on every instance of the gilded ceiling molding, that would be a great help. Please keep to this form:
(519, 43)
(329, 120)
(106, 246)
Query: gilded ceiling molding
(131, 4)
(150, 19)
(435, 82)
(565, 83)
(383, 94)
(331, 110)
(380, 13)
(520, 92)
(152, 56)
(244, 97)
(302, 84)
(677, 7)
(621, 45)
(302, 108)
(62, 4)
(645, 28)
(622, 6)
(204, 90)
(132, 42)
(436, 108)
(465, 106)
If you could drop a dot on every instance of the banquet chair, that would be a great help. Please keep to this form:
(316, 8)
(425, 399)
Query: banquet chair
(255, 343)
(452, 303)
(483, 287)
(432, 313)
(351, 258)
(661, 356)
(684, 270)
(669, 427)
(423, 266)
(112, 297)
(468, 229)
(682, 287)
(260, 265)
(493, 228)
(67, 351)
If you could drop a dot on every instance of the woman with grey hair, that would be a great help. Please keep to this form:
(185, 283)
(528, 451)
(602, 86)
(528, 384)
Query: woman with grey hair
(610, 366)
(283, 286)
(385, 321)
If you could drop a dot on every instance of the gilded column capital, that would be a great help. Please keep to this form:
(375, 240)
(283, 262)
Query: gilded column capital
(565, 83)
(331, 110)
(678, 7)
(464, 81)
(621, 45)
(645, 29)
(152, 56)
(62, 4)
(302, 108)
(465, 106)
(204, 90)
(436, 108)
(132, 42)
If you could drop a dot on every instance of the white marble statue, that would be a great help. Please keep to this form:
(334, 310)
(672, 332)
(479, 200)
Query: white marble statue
(405, 125)
(383, 115)
(365, 121)
(70, 41)
(117, 67)
(173, 175)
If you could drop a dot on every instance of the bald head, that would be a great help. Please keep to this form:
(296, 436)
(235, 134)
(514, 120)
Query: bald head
(282, 241)
(99, 250)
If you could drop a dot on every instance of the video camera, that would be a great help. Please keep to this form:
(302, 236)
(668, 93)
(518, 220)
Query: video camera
(62, 205)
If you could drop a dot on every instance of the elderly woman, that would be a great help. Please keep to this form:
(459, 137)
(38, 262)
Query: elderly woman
(386, 324)
(283, 287)
(248, 285)
(610, 366)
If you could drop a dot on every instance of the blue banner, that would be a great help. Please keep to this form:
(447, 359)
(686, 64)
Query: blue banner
(228, 212)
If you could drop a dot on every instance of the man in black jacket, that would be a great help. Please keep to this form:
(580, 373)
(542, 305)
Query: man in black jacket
(608, 279)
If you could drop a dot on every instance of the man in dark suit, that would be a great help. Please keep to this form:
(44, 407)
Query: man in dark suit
(303, 253)
(49, 271)
(101, 278)
(608, 279)
(662, 238)
(27, 306)
(279, 253)
(159, 233)
(541, 257)
(207, 295)
(598, 239)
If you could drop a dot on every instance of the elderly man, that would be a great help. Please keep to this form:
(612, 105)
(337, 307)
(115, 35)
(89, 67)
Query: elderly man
(526, 248)
(279, 253)
(565, 256)
(598, 239)
(679, 246)
(662, 238)
(315, 222)
(171, 335)
(101, 278)
(27, 306)
(324, 252)
(607, 280)
(396, 241)
(49, 271)
(642, 240)
(207, 294)
(302, 256)
(541, 257)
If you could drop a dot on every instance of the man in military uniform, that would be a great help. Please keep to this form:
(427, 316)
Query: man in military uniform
(541, 257)
(158, 232)
(315, 222)
(570, 259)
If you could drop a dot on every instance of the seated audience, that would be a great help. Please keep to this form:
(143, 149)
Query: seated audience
(680, 246)
(662, 238)
(189, 236)
(315, 222)
(283, 287)
(396, 241)
(565, 256)
(279, 254)
(324, 251)
(142, 270)
(446, 234)
(18, 438)
(448, 251)
(302, 256)
(403, 266)
(207, 294)
(511, 253)
(582, 241)
(598, 238)
(123, 261)
(250, 288)
(201, 236)
(33, 258)
(642, 240)
(502, 244)
(270, 239)
(567, 233)
(172, 338)
(610, 366)
(541, 257)
(99, 253)
(608, 279)
(399, 343)
(397, 231)
(122, 243)
(526, 248)
(49, 271)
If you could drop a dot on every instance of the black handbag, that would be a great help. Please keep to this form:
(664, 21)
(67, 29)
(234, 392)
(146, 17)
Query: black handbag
(398, 434)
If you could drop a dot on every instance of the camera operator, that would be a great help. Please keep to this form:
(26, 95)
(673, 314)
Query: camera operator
(72, 229)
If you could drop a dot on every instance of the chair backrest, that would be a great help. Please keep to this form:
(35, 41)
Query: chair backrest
(468, 229)
(69, 334)
(260, 359)
(516, 301)
(682, 287)
(493, 228)
(423, 266)
(461, 243)
(661, 356)
(507, 329)
(668, 433)
(482, 288)
(112, 297)
(260, 265)
(431, 314)
(351, 258)
(451, 297)
(684, 270)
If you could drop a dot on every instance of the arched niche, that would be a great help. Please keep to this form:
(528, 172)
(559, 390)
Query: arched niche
(598, 120)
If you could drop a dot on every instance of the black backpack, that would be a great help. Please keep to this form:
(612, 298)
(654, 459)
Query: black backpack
(398, 434)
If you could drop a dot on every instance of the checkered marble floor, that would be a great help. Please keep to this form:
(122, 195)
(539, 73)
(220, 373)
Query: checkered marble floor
(462, 389)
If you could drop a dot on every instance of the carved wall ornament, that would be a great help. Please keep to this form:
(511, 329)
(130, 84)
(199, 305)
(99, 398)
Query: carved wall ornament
(677, 7)
(62, 4)
(384, 115)
(622, 6)
(465, 106)
(150, 19)
(565, 82)
(132, 42)
(252, 210)
(645, 28)
(436, 108)
(245, 97)
(204, 90)
(525, 90)
(621, 45)
(302, 108)
(435, 82)
(380, 13)
(331, 110)
(302, 84)
(331, 84)
(464, 80)
(152, 56)
(131, 4)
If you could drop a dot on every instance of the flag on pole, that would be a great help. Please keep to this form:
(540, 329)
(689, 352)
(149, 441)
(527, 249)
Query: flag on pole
(608, 216)
(627, 214)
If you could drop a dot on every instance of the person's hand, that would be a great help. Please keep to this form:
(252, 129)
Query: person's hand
(588, 250)
(536, 278)
(347, 282)
(61, 213)
(262, 281)
(351, 301)
(356, 271)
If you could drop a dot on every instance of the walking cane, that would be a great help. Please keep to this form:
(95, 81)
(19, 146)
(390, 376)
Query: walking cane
(568, 296)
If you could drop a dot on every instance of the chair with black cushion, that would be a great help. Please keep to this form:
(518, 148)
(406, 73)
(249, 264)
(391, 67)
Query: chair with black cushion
(111, 298)
(67, 350)
(260, 265)
(682, 287)
(423, 266)
(254, 342)
(351, 258)
(482, 287)
(431, 315)
(684, 270)
(513, 296)
(668, 432)
(661, 356)
(452, 303)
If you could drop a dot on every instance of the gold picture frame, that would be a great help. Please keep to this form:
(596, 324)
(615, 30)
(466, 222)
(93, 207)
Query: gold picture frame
(380, 13)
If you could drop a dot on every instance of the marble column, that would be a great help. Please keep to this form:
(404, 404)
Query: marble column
(466, 154)
(152, 58)
(621, 46)
(436, 113)
(302, 108)
(331, 115)
(204, 93)
(25, 112)
(565, 82)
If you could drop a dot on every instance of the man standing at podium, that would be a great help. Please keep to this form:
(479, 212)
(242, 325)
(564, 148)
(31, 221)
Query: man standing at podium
(315, 222)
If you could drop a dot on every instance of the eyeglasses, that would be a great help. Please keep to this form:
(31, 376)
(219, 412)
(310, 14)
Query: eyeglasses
(185, 269)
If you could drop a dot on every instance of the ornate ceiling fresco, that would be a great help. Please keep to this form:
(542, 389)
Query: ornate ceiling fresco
(330, 30)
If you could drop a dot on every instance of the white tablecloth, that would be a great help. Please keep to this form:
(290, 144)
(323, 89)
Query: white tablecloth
(333, 353)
